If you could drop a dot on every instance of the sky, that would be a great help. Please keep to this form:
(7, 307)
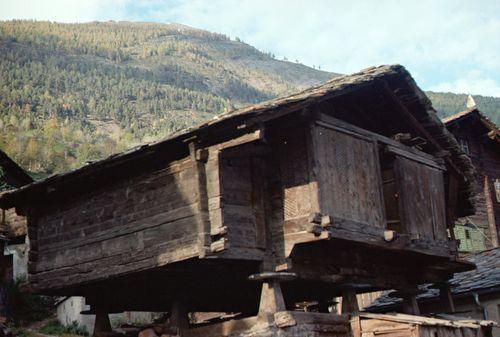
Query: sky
(447, 45)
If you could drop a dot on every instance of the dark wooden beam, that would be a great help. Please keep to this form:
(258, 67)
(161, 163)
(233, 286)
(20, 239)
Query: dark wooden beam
(198, 157)
(414, 123)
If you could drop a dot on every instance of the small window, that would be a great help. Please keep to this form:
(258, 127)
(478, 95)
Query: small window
(464, 144)
(497, 189)
(467, 234)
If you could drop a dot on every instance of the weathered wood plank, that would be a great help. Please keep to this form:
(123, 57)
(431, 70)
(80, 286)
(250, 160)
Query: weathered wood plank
(341, 126)
(423, 199)
(134, 242)
(202, 216)
(349, 177)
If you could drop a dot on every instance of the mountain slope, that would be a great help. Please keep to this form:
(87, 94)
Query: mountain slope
(448, 104)
(70, 93)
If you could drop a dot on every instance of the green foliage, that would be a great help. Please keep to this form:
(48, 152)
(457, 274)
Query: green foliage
(54, 327)
(73, 93)
(22, 332)
(65, 101)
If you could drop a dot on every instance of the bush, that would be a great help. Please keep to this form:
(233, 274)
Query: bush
(54, 327)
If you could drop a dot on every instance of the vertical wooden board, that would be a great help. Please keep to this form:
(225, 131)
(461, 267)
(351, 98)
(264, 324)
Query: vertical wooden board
(423, 199)
(295, 177)
(348, 177)
(391, 199)
(236, 191)
(241, 223)
(415, 195)
(242, 185)
(438, 201)
(258, 194)
(215, 200)
(213, 178)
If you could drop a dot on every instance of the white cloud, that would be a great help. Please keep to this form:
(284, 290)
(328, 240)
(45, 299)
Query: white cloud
(440, 40)
(474, 83)
(62, 10)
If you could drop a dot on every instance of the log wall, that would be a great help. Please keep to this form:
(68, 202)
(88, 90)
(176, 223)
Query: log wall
(142, 223)
(485, 157)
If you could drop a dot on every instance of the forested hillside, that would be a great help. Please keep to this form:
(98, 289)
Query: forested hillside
(72, 93)
(448, 103)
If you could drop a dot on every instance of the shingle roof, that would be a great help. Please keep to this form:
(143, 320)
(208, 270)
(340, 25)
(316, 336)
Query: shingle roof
(474, 113)
(485, 278)
(458, 115)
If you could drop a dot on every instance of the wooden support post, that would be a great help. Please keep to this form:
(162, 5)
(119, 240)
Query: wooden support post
(409, 296)
(199, 158)
(410, 304)
(102, 323)
(349, 301)
(271, 300)
(178, 318)
(445, 297)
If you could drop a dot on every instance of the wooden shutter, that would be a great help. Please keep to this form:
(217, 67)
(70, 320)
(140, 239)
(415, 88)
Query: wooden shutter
(422, 198)
(349, 176)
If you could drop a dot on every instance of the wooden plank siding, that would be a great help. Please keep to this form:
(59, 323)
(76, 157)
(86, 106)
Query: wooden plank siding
(241, 208)
(365, 187)
(423, 199)
(349, 176)
(147, 221)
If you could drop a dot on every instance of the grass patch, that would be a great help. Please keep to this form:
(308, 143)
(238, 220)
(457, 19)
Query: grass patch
(54, 327)
(21, 332)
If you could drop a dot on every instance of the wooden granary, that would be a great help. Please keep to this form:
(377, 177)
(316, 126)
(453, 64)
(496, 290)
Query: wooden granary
(351, 186)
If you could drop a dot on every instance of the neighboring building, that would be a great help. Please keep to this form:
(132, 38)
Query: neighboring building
(13, 231)
(476, 293)
(74, 308)
(480, 140)
(69, 310)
